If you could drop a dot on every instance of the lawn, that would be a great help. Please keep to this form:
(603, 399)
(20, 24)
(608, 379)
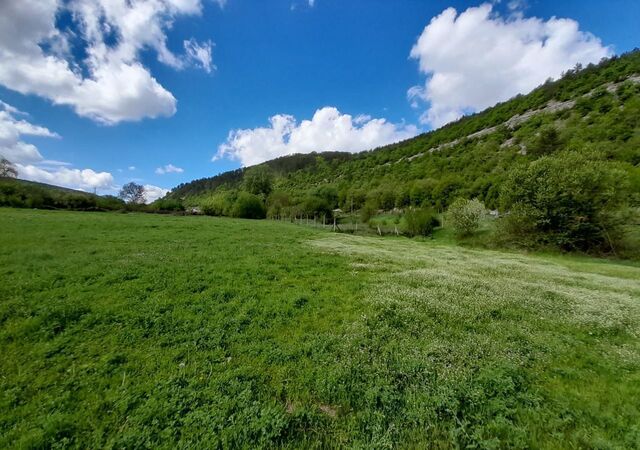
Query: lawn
(149, 331)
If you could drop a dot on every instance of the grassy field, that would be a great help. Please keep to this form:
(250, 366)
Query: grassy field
(147, 331)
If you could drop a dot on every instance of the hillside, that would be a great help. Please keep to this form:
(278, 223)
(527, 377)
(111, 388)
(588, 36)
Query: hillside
(31, 194)
(593, 110)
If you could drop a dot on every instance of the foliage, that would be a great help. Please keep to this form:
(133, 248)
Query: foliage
(27, 194)
(420, 221)
(465, 216)
(258, 180)
(132, 193)
(547, 142)
(155, 331)
(166, 205)
(434, 168)
(7, 169)
(219, 204)
(571, 201)
(248, 206)
(368, 210)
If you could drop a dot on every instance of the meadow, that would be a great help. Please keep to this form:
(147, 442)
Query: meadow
(151, 331)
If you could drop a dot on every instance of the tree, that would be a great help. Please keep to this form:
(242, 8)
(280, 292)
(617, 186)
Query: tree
(569, 200)
(258, 180)
(7, 169)
(420, 222)
(465, 216)
(249, 206)
(547, 142)
(132, 193)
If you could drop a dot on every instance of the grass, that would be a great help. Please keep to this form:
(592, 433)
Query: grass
(144, 331)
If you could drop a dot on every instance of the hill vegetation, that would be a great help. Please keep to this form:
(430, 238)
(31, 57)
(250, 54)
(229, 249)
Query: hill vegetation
(29, 194)
(587, 124)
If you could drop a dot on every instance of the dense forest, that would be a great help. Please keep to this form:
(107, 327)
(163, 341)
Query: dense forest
(578, 136)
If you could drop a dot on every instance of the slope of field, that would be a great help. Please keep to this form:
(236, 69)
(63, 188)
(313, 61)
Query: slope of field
(144, 331)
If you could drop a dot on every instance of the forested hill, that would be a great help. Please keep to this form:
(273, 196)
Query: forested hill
(593, 110)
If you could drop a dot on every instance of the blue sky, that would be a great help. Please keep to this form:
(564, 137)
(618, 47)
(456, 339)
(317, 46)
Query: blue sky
(369, 66)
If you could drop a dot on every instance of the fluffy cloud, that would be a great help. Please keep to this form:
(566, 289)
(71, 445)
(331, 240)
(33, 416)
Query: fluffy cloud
(85, 179)
(153, 193)
(477, 58)
(328, 130)
(109, 83)
(169, 168)
(31, 165)
(11, 131)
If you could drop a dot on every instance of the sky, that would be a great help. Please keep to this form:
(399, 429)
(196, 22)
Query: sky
(98, 93)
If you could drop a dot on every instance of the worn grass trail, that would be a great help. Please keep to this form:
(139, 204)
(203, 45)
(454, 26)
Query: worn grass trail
(155, 331)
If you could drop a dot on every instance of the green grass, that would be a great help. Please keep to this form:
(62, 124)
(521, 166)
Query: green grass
(145, 331)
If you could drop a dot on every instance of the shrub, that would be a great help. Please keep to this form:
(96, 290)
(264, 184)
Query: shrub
(217, 205)
(568, 200)
(368, 210)
(249, 206)
(465, 216)
(167, 204)
(420, 222)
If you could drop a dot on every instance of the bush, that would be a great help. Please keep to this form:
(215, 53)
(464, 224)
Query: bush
(167, 205)
(368, 210)
(217, 205)
(420, 222)
(568, 201)
(249, 206)
(465, 216)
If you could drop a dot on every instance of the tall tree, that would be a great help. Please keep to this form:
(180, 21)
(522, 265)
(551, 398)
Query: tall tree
(7, 169)
(132, 193)
(258, 180)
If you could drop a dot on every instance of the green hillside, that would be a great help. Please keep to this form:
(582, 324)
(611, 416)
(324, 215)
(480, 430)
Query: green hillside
(593, 110)
(30, 194)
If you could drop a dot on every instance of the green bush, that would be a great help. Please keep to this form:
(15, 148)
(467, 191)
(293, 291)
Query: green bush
(249, 206)
(465, 216)
(217, 205)
(368, 210)
(167, 205)
(568, 201)
(420, 222)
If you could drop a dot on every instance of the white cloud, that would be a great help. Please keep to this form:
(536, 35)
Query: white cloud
(110, 84)
(12, 130)
(85, 179)
(153, 193)
(477, 58)
(328, 130)
(169, 168)
(312, 3)
(132, 167)
(31, 165)
(199, 54)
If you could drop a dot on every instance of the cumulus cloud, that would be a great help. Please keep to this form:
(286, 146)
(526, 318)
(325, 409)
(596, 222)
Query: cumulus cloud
(328, 130)
(31, 165)
(109, 83)
(83, 179)
(478, 58)
(13, 129)
(169, 168)
(153, 193)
